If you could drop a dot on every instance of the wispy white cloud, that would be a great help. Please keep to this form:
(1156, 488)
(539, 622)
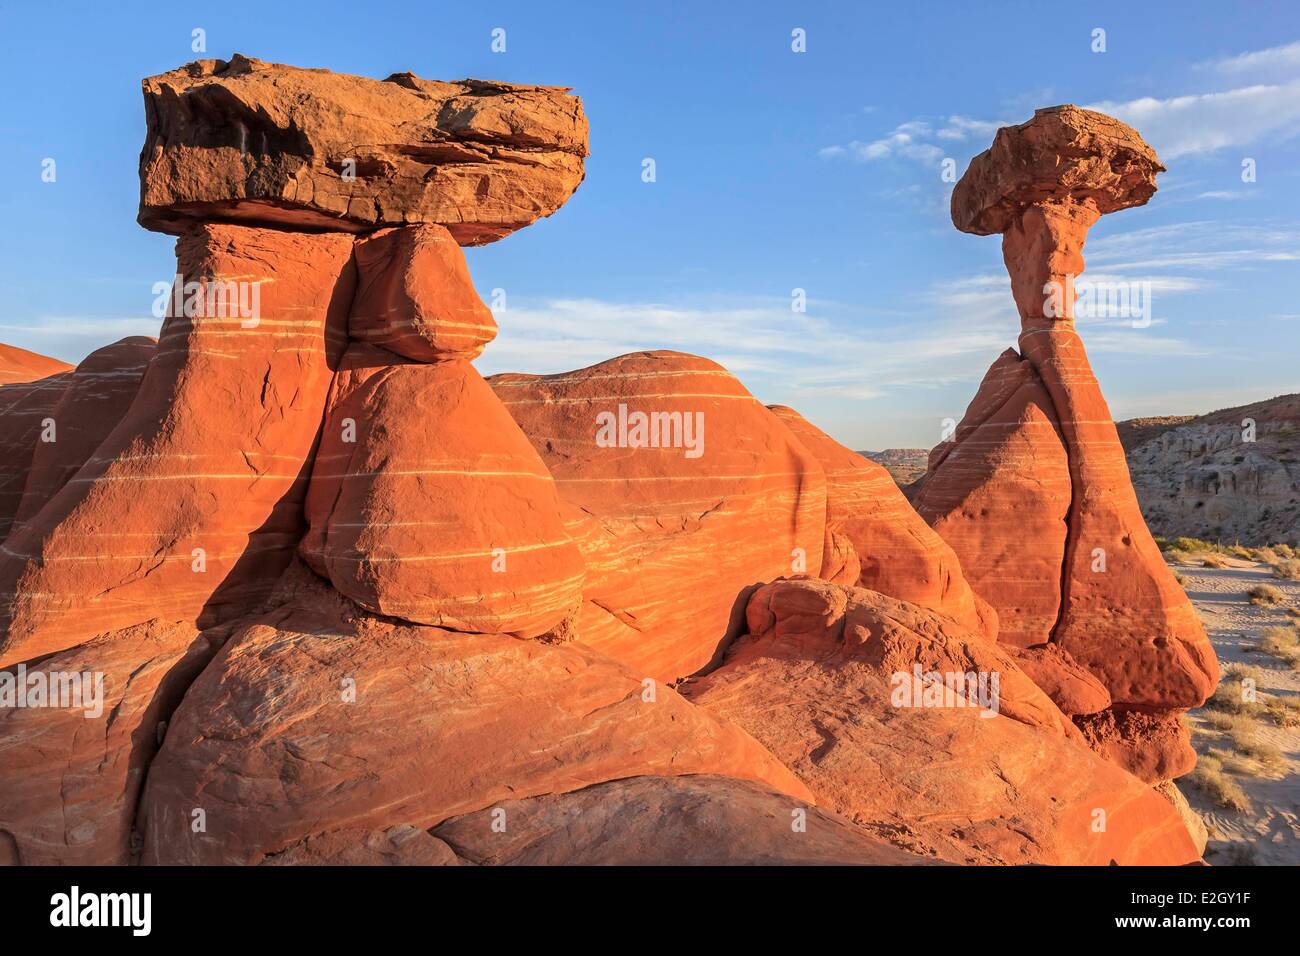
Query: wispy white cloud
(1207, 122)
(917, 139)
(1277, 59)
(1197, 245)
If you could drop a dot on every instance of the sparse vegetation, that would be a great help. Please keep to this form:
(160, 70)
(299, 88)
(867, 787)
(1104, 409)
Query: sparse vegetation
(1282, 712)
(1265, 555)
(1287, 569)
(1211, 778)
(1236, 854)
(1230, 697)
(1266, 595)
(1282, 643)
(1246, 742)
(1214, 561)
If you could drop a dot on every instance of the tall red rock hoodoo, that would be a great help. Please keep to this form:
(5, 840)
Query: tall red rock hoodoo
(1120, 612)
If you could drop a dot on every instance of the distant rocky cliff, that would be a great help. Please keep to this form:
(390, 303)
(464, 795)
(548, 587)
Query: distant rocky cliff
(1230, 476)
(1205, 476)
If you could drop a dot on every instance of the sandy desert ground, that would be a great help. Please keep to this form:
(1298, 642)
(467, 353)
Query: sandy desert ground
(1269, 831)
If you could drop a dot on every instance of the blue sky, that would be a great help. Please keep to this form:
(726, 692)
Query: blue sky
(775, 170)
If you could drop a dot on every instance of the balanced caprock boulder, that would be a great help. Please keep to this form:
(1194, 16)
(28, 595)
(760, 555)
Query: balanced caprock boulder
(250, 141)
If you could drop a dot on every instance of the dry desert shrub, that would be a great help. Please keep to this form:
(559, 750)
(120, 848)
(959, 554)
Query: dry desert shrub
(1214, 561)
(1181, 579)
(1236, 854)
(1287, 569)
(1246, 743)
(1266, 595)
(1282, 643)
(1265, 555)
(1230, 697)
(1282, 712)
(1223, 721)
(1211, 778)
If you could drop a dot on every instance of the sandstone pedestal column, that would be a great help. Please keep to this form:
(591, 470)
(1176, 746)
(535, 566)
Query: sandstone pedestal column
(1121, 614)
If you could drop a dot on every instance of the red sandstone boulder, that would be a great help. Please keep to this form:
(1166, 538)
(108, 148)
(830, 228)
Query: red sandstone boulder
(415, 296)
(98, 393)
(1154, 747)
(1070, 685)
(317, 718)
(691, 492)
(193, 505)
(897, 553)
(1063, 152)
(815, 682)
(428, 503)
(75, 763)
(999, 493)
(268, 144)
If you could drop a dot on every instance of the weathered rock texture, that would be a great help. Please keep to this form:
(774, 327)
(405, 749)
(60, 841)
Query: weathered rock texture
(1120, 613)
(671, 541)
(814, 681)
(699, 820)
(317, 718)
(894, 550)
(96, 397)
(999, 493)
(267, 144)
(26, 408)
(415, 296)
(428, 503)
(193, 504)
(73, 773)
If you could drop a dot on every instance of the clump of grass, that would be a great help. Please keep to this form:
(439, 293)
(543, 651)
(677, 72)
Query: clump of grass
(1236, 854)
(1230, 697)
(1181, 579)
(1194, 544)
(1232, 763)
(1287, 569)
(1214, 561)
(1284, 713)
(1222, 720)
(1265, 555)
(1211, 778)
(1246, 742)
(1266, 595)
(1286, 551)
(1174, 556)
(1237, 551)
(1238, 672)
(1282, 643)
